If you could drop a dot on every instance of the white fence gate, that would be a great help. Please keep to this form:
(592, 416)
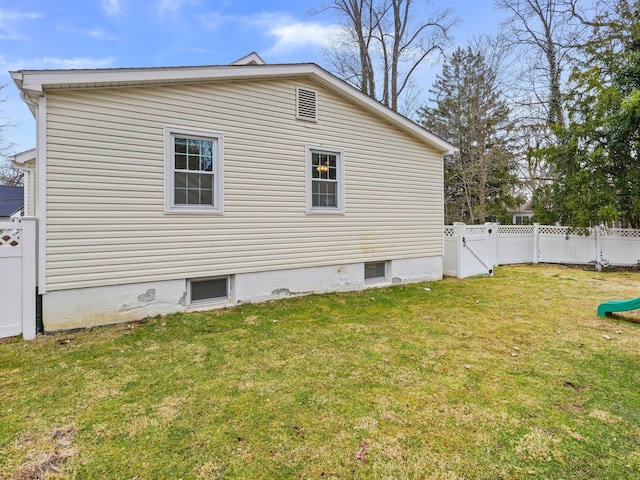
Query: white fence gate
(468, 250)
(18, 278)
(476, 249)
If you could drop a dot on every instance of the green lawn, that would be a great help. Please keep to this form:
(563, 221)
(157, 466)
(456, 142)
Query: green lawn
(509, 377)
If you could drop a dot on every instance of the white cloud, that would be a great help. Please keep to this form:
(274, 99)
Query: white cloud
(9, 21)
(299, 35)
(96, 32)
(169, 6)
(55, 63)
(111, 7)
(213, 20)
(77, 62)
(290, 34)
(99, 34)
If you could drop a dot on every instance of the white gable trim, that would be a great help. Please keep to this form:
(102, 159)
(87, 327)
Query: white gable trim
(33, 84)
(22, 158)
(252, 59)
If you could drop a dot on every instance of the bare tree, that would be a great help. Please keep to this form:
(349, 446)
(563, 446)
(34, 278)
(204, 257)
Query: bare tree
(351, 53)
(11, 176)
(546, 35)
(384, 43)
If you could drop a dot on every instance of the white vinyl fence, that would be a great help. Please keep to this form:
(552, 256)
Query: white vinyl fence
(18, 278)
(476, 249)
(468, 250)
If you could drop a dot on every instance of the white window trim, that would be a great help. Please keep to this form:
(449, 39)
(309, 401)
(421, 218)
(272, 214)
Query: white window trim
(339, 210)
(169, 193)
(212, 302)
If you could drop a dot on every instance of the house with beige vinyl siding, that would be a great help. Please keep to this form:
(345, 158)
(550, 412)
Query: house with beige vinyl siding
(171, 189)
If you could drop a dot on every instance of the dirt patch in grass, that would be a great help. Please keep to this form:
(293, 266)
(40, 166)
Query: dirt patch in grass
(45, 464)
(168, 408)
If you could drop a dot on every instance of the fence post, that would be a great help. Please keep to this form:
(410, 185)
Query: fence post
(492, 233)
(28, 277)
(536, 243)
(460, 233)
(598, 233)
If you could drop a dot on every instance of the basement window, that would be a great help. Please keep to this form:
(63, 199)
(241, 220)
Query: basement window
(208, 290)
(375, 271)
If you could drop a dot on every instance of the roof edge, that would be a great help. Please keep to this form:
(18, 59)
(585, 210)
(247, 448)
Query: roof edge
(34, 83)
(23, 157)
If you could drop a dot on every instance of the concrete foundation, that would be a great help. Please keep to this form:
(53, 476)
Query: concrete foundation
(89, 307)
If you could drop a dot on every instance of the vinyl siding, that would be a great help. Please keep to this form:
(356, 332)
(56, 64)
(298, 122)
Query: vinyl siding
(105, 185)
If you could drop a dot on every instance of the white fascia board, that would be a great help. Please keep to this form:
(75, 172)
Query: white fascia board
(34, 83)
(41, 80)
(27, 97)
(23, 157)
(17, 79)
(442, 146)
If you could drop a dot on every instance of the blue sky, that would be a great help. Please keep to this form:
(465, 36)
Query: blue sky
(51, 34)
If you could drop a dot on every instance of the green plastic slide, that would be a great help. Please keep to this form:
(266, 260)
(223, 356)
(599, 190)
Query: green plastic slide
(618, 306)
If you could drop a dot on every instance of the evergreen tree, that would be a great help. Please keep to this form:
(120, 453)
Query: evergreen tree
(596, 158)
(470, 113)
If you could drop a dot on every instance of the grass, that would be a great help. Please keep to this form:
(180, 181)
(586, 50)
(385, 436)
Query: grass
(509, 377)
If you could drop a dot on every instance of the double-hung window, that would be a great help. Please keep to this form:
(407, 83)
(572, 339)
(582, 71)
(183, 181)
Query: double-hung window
(325, 180)
(193, 171)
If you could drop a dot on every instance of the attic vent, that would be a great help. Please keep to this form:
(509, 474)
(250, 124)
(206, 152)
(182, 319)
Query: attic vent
(307, 104)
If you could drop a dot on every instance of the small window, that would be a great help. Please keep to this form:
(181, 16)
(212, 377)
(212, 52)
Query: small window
(325, 178)
(209, 290)
(306, 104)
(193, 171)
(375, 270)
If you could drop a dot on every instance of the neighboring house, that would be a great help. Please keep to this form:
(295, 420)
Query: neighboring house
(26, 161)
(11, 202)
(172, 189)
(523, 215)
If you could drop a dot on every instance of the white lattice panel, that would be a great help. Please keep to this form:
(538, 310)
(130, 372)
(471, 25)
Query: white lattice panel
(10, 238)
(553, 230)
(449, 231)
(620, 232)
(515, 230)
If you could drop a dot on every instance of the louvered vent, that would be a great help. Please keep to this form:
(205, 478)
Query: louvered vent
(307, 104)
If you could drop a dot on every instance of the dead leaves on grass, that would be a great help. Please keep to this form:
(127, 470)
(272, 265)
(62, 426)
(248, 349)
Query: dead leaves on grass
(44, 464)
(41, 466)
(361, 454)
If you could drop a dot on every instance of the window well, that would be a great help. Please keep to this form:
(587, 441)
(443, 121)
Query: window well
(375, 270)
(209, 290)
